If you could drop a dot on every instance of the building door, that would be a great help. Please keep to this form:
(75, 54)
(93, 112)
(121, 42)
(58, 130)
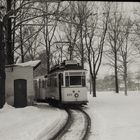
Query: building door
(20, 93)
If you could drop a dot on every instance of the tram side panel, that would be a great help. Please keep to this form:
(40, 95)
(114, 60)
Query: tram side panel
(43, 89)
(40, 89)
(36, 88)
(52, 89)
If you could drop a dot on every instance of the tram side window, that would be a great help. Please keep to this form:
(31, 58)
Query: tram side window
(55, 82)
(39, 83)
(67, 81)
(35, 84)
(48, 82)
(43, 84)
(62, 79)
(51, 82)
(83, 81)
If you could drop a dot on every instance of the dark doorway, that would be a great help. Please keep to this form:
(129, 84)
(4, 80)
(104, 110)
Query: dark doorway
(20, 93)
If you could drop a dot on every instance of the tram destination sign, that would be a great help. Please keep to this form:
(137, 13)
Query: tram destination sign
(71, 62)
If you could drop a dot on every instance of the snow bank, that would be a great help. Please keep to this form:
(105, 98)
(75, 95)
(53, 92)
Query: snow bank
(6, 107)
(30, 123)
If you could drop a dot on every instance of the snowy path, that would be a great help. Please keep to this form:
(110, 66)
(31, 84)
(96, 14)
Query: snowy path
(115, 116)
(78, 124)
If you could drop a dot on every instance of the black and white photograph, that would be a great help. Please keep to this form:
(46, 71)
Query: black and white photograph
(69, 70)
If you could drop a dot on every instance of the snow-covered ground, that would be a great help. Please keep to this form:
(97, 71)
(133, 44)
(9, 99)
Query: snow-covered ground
(113, 116)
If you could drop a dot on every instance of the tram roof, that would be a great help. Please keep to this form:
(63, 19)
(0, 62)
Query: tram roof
(63, 68)
(66, 68)
(66, 65)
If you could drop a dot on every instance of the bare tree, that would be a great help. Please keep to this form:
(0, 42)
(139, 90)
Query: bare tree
(71, 29)
(11, 12)
(31, 47)
(75, 18)
(83, 14)
(125, 51)
(136, 39)
(114, 32)
(94, 43)
(49, 30)
(23, 12)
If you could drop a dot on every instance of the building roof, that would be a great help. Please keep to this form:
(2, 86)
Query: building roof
(33, 64)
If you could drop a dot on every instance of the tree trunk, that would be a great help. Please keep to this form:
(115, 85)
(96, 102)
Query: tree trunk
(47, 41)
(21, 45)
(14, 27)
(2, 89)
(71, 52)
(125, 77)
(2, 67)
(82, 47)
(48, 61)
(9, 46)
(125, 85)
(90, 85)
(94, 85)
(116, 75)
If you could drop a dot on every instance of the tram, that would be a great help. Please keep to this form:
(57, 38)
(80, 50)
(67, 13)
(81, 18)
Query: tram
(65, 84)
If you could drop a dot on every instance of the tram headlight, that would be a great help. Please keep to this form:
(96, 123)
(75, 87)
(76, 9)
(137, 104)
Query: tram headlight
(76, 95)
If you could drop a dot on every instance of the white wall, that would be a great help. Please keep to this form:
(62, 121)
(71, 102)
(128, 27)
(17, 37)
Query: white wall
(19, 72)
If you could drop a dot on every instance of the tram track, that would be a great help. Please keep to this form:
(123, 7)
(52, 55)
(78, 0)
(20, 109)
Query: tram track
(64, 129)
(87, 125)
(77, 126)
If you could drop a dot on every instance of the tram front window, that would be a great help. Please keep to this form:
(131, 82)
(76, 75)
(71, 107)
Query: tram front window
(75, 80)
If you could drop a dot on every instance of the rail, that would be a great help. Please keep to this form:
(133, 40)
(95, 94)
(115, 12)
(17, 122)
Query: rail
(75, 115)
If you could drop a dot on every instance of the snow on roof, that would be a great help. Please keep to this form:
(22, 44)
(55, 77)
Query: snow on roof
(29, 63)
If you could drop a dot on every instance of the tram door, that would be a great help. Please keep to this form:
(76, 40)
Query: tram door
(20, 93)
(60, 82)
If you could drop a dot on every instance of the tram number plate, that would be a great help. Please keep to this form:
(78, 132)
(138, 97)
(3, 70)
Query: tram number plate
(69, 94)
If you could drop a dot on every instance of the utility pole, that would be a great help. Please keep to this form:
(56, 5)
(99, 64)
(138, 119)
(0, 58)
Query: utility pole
(9, 46)
(2, 65)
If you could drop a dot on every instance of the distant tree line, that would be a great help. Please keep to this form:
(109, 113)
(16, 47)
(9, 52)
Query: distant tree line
(107, 84)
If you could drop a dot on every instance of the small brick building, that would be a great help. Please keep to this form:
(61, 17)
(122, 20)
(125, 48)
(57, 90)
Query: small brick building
(19, 83)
